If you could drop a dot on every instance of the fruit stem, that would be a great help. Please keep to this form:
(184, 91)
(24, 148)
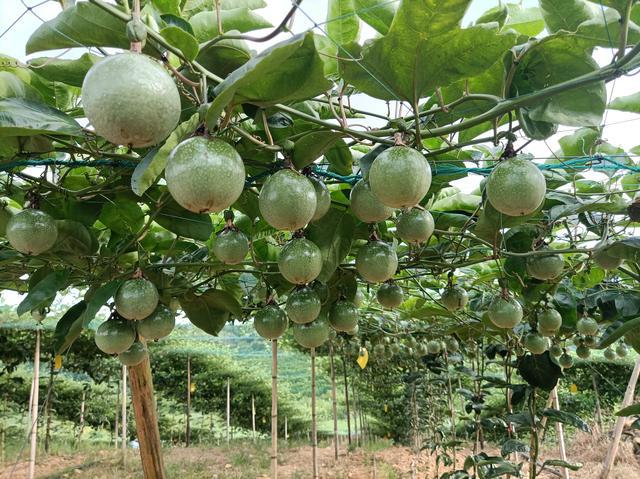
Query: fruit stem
(136, 47)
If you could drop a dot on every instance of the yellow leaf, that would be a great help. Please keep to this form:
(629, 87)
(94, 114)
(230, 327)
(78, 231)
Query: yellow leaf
(363, 358)
(386, 408)
(193, 387)
(573, 388)
(57, 362)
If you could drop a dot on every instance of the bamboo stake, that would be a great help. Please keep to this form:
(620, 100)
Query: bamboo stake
(274, 409)
(560, 433)
(617, 432)
(48, 400)
(228, 409)
(346, 399)
(253, 418)
(314, 429)
(123, 416)
(286, 429)
(188, 429)
(116, 422)
(33, 431)
(333, 400)
(597, 395)
(82, 408)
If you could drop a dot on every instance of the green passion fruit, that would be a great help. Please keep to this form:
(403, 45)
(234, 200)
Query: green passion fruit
(377, 261)
(134, 355)
(587, 326)
(610, 354)
(322, 290)
(565, 361)
(158, 324)
(632, 338)
(303, 305)
(400, 177)
(365, 206)
(287, 200)
(434, 347)
(343, 316)
(313, 334)
(549, 320)
(535, 343)
(323, 198)
(270, 322)
(556, 351)
(516, 187)
(454, 298)
(505, 312)
(415, 226)
(300, 261)
(603, 258)
(389, 295)
(130, 99)
(136, 299)
(358, 298)
(204, 175)
(583, 352)
(32, 231)
(621, 350)
(451, 344)
(545, 267)
(114, 336)
(231, 246)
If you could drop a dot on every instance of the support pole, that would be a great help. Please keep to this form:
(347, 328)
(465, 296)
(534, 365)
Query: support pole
(274, 409)
(253, 418)
(228, 409)
(597, 395)
(617, 432)
(123, 416)
(560, 433)
(188, 429)
(116, 423)
(286, 429)
(333, 400)
(33, 418)
(146, 420)
(346, 399)
(314, 427)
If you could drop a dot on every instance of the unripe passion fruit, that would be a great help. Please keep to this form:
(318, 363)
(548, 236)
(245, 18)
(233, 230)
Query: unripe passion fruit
(555, 350)
(451, 344)
(376, 262)
(516, 187)
(434, 347)
(609, 354)
(621, 350)
(323, 199)
(114, 336)
(313, 334)
(400, 177)
(587, 326)
(549, 320)
(136, 299)
(590, 341)
(505, 312)
(270, 322)
(231, 246)
(300, 261)
(358, 298)
(205, 175)
(303, 305)
(603, 259)
(389, 295)
(343, 316)
(287, 200)
(322, 290)
(130, 99)
(365, 206)
(535, 343)
(545, 267)
(583, 352)
(158, 324)
(415, 226)
(32, 231)
(565, 361)
(134, 355)
(454, 298)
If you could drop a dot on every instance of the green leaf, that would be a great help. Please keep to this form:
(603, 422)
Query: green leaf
(71, 72)
(627, 248)
(343, 26)
(190, 5)
(458, 202)
(633, 410)
(84, 25)
(11, 86)
(512, 445)
(611, 337)
(527, 21)
(43, 292)
(340, 158)
(68, 327)
(566, 417)
(312, 146)
(333, 233)
(205, 24)
(20, 117)
(604, 31)
(167, 6)
(224, 57)
(630, 103)
(378, 14)
(580, 143)
(248, 204)
(122, 215)
(153, 164)
(496, 14)
(424, 49)
(185, 223)
(565, 14)
(554, 60)
(211, 310)
(97, 298)
(539, 371)
(182, 40)
(291, 70)
(560, 463)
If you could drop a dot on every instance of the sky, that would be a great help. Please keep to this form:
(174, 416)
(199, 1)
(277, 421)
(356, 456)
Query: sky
(620, 130)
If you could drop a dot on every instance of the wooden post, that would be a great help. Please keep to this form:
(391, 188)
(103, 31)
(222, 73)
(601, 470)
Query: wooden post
(228, 409)
(116, 424)
(560, 433)
(333, 400)
(597, 395)
(48, 401)
(617, 432)
(123, 415)
(188, 430)
(33, 419)
(253, 418)
(274, 409)
(286, 429)
(314, 427)
(146, 420)
(346, 399)
(82, 407)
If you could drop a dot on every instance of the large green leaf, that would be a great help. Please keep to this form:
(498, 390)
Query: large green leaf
(122, 215)
(68, 327)
(565, 14)
(566, 417)
(579, 143)
(43, 292)
(11, 86)
(205, 24)
(630, 103)
(96, 298)
(153, 164)
(224, 57)
(343, 26)
(190, 5)
(210, 310)
(185, 223)
(553, 60)
(603, 30)
(633, 410)
(378, 14)
(527, 21)
(71, 72)
(291, 70)
(167, 6)
(182, 40)
(340, 158)
(333, 233)
(312, 146)
(424, 49)
(84, 25)
(21, 117)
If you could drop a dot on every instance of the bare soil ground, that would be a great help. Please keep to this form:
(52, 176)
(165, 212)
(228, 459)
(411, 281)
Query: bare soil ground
(245, 460)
